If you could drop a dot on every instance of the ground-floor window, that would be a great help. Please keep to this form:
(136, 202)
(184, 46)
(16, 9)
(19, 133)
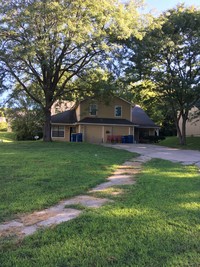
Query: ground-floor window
(58, 131)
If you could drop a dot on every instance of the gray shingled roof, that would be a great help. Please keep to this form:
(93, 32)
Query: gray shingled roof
(140, 118)
(106, 121)
(66, 117)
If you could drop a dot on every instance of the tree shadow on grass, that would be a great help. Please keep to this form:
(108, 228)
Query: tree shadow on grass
(156, 223)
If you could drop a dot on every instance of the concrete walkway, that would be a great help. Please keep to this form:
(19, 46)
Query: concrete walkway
(65, 210)
(187, 157)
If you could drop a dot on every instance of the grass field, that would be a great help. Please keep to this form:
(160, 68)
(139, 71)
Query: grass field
(155, 223)
(191, 143)
(7, 137)
(35, 175)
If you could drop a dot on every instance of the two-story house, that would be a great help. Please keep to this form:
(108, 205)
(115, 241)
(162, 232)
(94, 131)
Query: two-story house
(96, 121)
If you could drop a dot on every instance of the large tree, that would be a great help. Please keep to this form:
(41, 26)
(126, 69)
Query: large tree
(169, 56)
(46, 44)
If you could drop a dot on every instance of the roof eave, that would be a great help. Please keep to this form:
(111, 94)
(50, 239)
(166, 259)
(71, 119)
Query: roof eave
(114, 124)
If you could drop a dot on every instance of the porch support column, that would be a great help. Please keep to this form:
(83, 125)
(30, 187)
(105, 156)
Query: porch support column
(103, 131)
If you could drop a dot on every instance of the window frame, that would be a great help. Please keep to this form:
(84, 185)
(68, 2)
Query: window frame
(93, 109)
(58, 131)
(118, 116)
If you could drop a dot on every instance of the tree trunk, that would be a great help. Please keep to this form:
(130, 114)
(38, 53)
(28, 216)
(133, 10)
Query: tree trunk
(47, 126)
(184, 130)
(181, 131)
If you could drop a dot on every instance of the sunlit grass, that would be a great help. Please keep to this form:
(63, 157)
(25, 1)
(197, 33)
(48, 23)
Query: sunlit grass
(191, 206)
(35, 175)
(173, 141)
(154, 223)
(7, 137)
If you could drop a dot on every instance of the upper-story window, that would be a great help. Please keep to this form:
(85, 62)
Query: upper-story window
(93, 109)
(118, 111)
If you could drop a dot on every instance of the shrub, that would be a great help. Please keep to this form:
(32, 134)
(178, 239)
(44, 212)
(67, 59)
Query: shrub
(3, 126)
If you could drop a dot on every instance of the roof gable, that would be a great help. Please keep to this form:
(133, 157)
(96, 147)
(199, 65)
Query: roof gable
(140, 118)
(66, 117)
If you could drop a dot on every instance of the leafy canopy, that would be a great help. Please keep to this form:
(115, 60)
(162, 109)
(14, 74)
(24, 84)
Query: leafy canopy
(169, 57)
(45, 45)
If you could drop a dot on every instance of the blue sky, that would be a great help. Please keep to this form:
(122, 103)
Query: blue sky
(162, 5)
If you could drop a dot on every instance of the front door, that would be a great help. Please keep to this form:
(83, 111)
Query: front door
(72, 131)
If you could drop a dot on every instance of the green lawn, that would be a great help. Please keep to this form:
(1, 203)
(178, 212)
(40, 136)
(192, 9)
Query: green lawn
(35, 175)
(7, 137)
(191, 143)
(154, 223)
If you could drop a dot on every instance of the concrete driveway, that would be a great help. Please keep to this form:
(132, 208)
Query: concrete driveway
(187, 157)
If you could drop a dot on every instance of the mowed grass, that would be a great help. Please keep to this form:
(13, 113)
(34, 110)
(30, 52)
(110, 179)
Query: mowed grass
(35, 175)
(7, 137)
(154, 223)
(173, 141)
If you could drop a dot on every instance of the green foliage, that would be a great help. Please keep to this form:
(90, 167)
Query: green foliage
(35, 175)
(27, 125)
(2, 112)
(142, 93)
(168, 56)
(3, 126)
(45, 45)
(154, 223)
(25, 116)
(96, 83)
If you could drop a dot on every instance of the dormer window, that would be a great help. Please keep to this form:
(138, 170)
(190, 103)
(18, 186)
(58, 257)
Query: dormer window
(93, 109)
(118, 111)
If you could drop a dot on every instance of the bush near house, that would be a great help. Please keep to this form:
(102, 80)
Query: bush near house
(3, 126)
(151, 139)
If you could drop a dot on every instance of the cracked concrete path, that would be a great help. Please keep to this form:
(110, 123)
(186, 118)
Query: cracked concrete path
(186, 157)
(64, 211)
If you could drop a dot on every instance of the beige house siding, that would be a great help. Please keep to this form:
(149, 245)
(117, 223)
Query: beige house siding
(122, 130)
(93, 134)
(100, 133)
(192, 126)
(78, 112)
(105, 110)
